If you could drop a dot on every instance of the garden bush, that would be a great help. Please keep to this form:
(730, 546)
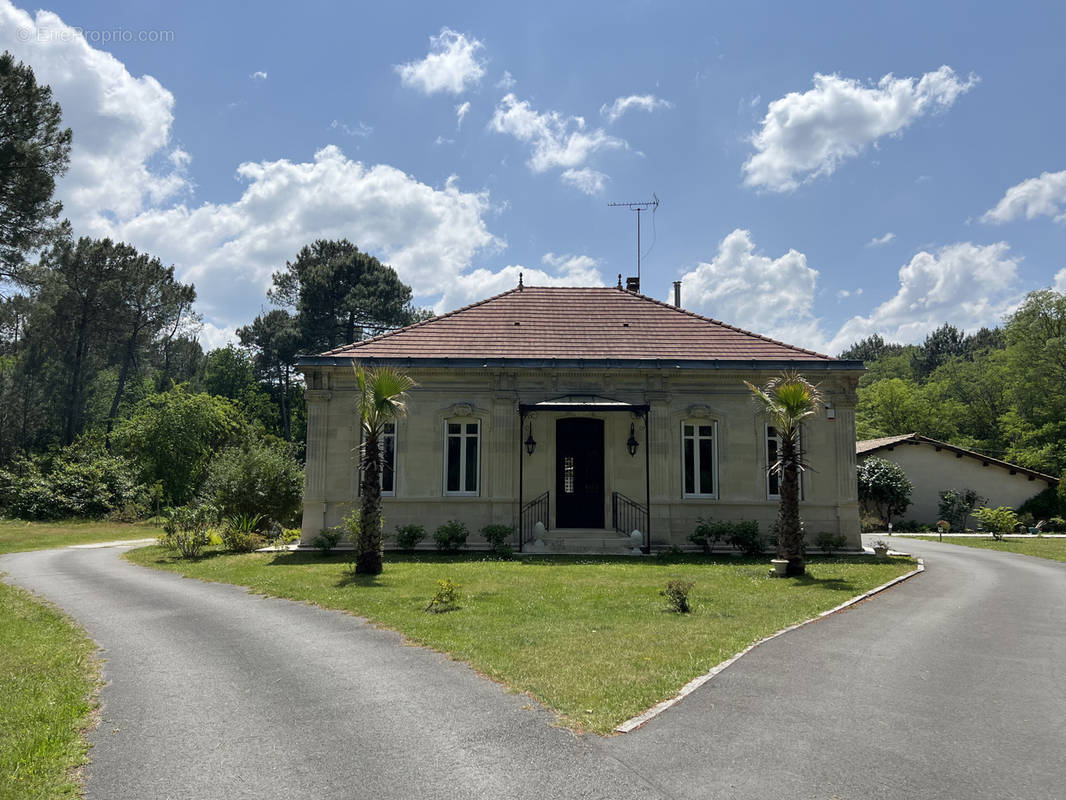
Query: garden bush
(77, 481)
(240, 533)
(497, 536)
(707, 533)
(326, 540)
(744, 535)
(997, 521)
(676, 594)
(446, 598)
(451, 536)
(1056, 525)
(829, 542)
(256, 478)
(186, 530)
(409, 536)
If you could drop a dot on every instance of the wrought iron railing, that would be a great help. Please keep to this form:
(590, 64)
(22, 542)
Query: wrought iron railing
(536, 510)
(628, 515)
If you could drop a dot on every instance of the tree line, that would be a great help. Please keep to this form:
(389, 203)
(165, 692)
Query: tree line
(1000, 391)
(108, 401)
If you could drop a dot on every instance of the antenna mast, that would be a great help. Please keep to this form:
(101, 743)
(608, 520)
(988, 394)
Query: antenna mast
(643, 205)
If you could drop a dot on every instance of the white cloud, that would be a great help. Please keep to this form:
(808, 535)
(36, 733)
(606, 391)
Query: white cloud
(461, 111)
(120, 122)
(587, 180)
(451, 66)
(556, 141)
(640, 102)
(770, 296)
(1043, 196)
(362, 130)
(964, 284)
(562, 270)
(877, 241)
(1060, 281)
(211, 337)
(807, 135)
(258, 75)
(507, 82)
(844, 294)
(229, 250)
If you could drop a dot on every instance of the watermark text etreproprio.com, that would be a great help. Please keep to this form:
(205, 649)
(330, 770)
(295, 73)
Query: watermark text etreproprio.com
(93, 36)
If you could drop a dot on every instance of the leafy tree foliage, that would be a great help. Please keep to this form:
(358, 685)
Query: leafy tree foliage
(256, 478)
(884, 489)
(872, 348)
(341, 295)
(34, 151)
(956, 506)
(173, 436)
(274, 337)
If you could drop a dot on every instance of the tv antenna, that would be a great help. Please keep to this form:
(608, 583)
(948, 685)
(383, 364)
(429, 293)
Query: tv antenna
(633, 284)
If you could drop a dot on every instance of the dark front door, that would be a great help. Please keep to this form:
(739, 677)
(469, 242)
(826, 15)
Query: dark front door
(579, 473)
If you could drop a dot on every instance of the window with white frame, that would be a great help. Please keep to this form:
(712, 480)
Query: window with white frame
(699, 458)
(773, 450)
(462, 456)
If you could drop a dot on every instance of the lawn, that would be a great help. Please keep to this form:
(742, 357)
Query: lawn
(587, 637)
(1055, 549)
(17, 535)
(47, 679)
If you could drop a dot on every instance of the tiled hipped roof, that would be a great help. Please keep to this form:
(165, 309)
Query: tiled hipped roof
(574, 323)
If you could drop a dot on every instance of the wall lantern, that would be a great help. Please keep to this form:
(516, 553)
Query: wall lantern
(631, 443)
(531, 443)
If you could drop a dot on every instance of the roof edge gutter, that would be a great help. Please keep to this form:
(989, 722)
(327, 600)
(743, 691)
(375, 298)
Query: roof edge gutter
(807, 365)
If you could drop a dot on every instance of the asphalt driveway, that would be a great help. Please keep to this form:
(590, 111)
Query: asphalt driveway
(947, 686)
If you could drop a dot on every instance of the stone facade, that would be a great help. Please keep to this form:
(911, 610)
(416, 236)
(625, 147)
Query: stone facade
(490, 397)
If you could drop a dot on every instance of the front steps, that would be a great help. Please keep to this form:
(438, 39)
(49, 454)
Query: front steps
(584, 540)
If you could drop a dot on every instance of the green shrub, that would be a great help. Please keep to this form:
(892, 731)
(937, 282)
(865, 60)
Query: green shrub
(1055, 525)
(186, 530)
(290, 535)
(350, 527)
(446, 598)
(78, 481)
(256, 478)
(997, 521)
(744, 535)
(409, 536)
(707, 533)
(240, 533)
(1044, 505)
(451, 536)
(497, 535)
(326, 540)
(956, 506)
(504, 551)
(871, 524)
(676, 594)
(829, 542)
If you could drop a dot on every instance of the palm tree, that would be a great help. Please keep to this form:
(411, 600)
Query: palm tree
(381, 399)
(787, 400)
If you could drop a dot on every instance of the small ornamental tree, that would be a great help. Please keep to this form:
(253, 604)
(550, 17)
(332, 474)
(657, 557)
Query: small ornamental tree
(381, 398)
(956, 506)
(884, 488)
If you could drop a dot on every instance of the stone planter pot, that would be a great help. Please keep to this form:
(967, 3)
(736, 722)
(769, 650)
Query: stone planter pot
(780, 566)
(881, 552)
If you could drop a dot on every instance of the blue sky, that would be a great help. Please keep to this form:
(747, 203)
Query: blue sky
(825, 171)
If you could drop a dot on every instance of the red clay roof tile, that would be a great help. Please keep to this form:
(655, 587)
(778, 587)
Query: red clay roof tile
(574, 323)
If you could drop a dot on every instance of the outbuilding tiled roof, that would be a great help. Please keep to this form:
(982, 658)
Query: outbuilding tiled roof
(574, 323)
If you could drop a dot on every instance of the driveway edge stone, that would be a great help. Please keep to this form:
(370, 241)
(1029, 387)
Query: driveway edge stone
(657, 709)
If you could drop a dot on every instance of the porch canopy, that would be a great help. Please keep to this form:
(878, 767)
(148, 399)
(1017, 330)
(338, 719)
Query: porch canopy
(590, 403)
(581, 402)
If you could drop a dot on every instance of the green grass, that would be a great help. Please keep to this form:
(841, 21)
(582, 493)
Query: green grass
(1054, 549)
(587, 637)
(47, 679)
(18, 535)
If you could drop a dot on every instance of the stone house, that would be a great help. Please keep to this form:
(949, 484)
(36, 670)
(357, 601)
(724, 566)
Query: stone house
(934, 467)
(594, 411)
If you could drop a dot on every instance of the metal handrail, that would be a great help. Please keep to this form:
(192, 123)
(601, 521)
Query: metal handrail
(628, 515)
(536, 510)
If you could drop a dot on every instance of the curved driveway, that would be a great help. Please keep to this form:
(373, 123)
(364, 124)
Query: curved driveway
(947, 686)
